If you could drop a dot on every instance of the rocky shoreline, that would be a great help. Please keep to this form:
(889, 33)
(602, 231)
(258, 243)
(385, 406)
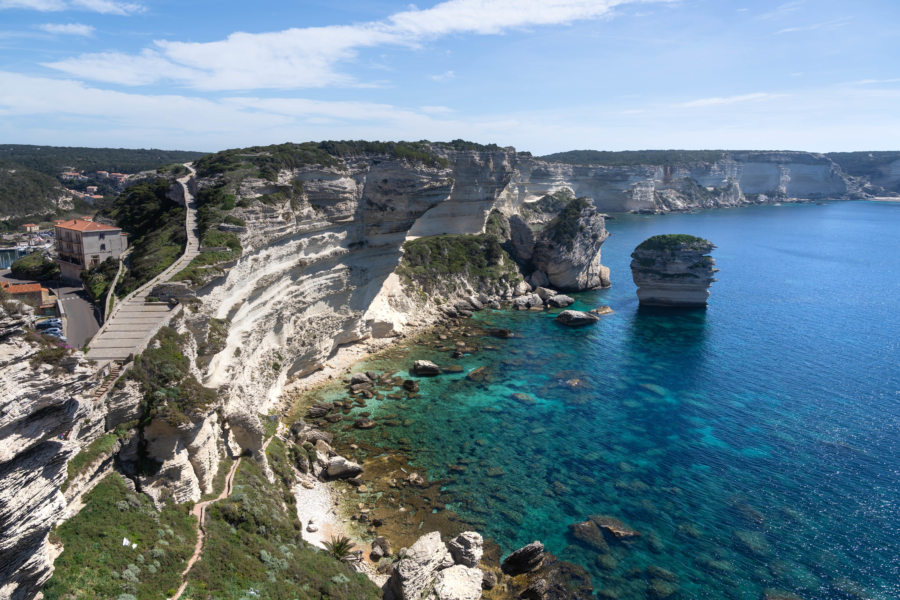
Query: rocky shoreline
(389, 503)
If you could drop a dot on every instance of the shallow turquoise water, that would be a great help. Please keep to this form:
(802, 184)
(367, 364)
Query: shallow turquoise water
(753, 444)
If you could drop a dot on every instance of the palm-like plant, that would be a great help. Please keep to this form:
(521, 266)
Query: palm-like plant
(340, 547)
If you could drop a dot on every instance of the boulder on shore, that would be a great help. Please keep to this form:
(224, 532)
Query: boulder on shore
(560, 301)
(576, 318)
(342, 468)
(467, 548)
(425, 368)
(524, 560)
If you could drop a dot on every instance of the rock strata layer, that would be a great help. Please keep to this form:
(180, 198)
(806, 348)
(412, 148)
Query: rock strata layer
(673, 270)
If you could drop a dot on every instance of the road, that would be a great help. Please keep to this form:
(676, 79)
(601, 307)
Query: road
(82, 318)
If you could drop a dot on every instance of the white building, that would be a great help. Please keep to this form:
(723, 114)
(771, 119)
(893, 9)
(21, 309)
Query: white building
(82, 244)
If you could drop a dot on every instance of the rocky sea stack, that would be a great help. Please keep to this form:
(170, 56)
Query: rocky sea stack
(673, 270)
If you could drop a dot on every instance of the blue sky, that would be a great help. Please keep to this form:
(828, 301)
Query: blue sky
(541, 75)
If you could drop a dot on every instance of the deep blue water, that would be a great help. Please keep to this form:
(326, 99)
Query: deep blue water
(754, 444)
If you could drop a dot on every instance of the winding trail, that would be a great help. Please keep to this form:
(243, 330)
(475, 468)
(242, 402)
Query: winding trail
(199, 511)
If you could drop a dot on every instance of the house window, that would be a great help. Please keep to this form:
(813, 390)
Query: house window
(103, 246)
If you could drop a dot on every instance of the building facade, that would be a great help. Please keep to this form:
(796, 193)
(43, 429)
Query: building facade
(83, 243)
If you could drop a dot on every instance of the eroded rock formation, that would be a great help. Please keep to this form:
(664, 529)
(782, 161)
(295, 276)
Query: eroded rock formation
(673, 270)
(42, 404)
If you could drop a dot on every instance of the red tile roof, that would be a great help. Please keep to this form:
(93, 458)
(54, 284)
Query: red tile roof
(29, 225)
(23, 288)
(82, 225)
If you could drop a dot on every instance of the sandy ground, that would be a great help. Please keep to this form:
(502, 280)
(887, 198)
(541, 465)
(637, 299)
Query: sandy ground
(319, 503)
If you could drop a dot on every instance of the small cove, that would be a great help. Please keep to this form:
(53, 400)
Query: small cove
(752, 444)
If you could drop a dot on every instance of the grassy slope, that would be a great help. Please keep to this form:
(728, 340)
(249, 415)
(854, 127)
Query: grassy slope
(155, 227)
(253, 541)
(95, 564)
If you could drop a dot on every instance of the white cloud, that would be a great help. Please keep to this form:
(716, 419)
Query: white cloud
(826, 26)
(717, 101)
(107, 7)
(40, 5)
(444, 76)
(309, 57)
(68, 28)
(50, 111)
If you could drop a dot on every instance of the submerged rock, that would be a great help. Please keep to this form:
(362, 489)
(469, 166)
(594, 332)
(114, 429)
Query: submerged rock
(614, 527)
(576, 318)
(425, 368)
(589, 534)
(524, 560)
(673, 270)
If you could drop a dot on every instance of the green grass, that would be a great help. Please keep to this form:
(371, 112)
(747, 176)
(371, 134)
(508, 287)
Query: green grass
(171, 392)
(675, 241)
(102, 445)
(95, 564)
(253, 541)
(206, 265)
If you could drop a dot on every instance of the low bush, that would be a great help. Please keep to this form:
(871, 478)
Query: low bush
(95, 564)
(253, 541)
(35, 266)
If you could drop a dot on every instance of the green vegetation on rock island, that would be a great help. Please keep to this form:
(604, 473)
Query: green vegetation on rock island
(675, 241)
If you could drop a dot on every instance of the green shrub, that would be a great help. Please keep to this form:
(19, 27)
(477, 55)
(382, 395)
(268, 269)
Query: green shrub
(35, 266)
(564, 228)
(171, 391)
(675, 241)
(155, 227)
(253, 540)
(95, 564)
(428, 261)
(97, 279)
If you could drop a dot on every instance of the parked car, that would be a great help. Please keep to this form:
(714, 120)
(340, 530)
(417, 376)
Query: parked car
(48, 324)
(52, 331)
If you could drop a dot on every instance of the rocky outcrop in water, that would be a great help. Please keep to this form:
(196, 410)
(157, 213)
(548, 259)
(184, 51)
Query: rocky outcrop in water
(673, 270)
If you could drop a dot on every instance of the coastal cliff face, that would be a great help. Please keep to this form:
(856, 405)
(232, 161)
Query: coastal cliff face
(42, 404)
(673, 270)
(734, 179)
(317, 271)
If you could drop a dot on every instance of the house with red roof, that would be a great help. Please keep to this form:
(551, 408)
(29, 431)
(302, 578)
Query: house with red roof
(83, 243)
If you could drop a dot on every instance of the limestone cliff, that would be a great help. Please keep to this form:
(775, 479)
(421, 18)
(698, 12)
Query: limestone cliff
(647, 183)
(321, 243)
(42, 403)
(673, 270)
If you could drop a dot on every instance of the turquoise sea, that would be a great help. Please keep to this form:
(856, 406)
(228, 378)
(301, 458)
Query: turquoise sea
(755, 444)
